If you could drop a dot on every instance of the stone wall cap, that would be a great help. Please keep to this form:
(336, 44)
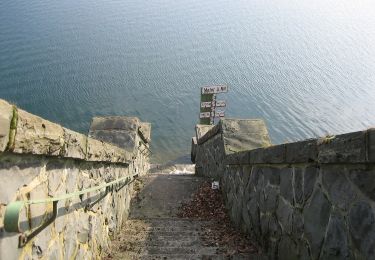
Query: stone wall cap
(35, 135)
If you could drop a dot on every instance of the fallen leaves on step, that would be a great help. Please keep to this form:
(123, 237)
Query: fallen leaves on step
(207, 204)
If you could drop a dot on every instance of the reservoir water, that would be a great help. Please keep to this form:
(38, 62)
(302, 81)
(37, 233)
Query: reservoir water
(306, 67)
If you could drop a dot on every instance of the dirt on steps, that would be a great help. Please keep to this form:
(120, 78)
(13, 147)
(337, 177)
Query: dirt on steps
(157, 229)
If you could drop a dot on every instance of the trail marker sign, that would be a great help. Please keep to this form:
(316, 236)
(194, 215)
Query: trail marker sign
(209, 103)
(214, 89)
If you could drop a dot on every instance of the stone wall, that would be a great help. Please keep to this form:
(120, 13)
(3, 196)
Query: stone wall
(312, 199)
(40, 159)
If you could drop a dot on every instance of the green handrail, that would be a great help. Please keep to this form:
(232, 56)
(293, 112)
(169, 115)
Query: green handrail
(13, 209)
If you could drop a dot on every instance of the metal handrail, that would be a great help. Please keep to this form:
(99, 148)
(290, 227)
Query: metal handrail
(13, 209)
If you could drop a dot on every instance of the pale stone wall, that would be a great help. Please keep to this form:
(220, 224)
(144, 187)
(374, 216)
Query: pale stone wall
(306, 200)
(40, 159)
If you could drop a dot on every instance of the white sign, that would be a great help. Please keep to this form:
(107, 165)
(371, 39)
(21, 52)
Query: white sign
(214, 89)
(220, 114)
(206, 104)
(219, 103)
(205, 115)
(215, 185)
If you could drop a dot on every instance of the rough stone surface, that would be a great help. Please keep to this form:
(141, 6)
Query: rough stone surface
(364, 180)
(339, 188)
(75, 144)
(286, 188)
(145, 129)
(287, 249)
(101, 151)
(120, 131)
(300, 152)
(309, 179)
(297, 185)
(371, 145)
(272, 154)
(50, 161)
(285, 216)
(244, 134)
(362, 228)
(201, 130)
(316, 216)
(37, 136)
(346, 148)
(336, 244)
(283, 195)
(6, 115)
(115, 123)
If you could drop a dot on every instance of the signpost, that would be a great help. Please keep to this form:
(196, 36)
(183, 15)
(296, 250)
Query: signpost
(209, 103)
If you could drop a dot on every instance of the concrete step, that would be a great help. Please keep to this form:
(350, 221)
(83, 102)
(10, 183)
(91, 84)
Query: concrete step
(157, 250)
(131, 256)
(184, 242)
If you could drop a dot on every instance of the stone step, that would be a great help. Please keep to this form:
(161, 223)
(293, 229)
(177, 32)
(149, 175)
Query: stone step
(156, 250)
(147, 233)
(132, 256)
(185, 242)
(168, 221)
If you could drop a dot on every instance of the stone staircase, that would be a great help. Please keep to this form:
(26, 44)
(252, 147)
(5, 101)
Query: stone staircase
(153, 231)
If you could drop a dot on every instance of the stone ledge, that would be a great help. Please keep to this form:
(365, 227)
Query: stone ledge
(145, 131)
(355, 147)
(99, 151)
(345, 148)
(35, 135)
(303, 151)
(371, 145)
(210, 133)
(6, 115)
(75, 145)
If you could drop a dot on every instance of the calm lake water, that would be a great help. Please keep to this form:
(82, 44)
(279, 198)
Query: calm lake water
(306, 67)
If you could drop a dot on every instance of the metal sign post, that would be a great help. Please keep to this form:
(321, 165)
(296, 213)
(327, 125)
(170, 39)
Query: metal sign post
(209, 103)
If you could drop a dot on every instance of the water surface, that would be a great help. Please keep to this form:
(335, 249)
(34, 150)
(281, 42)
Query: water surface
(306, 67)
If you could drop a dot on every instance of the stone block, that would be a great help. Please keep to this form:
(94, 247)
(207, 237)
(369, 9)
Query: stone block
(362, 228)
(339, 188)
(301, 152)
(39, 211)
(364, 179)
(253, 211)
(371, 145)
(271, 175)
(238, 158)
(6, 115)
(272, 154)
(287, 249)
(346, 148)
(271, 198)
(16, 172)
(104, 152)
(316, 216)
(115, 123)
(37, 136)
(297, 223)
(298, 185)
(244, 134)
(201, 130)
(309, 179)
(336, 244)
(75, 144)
(284, 215)
(124, 139)
(286, 184)
(145, 129)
